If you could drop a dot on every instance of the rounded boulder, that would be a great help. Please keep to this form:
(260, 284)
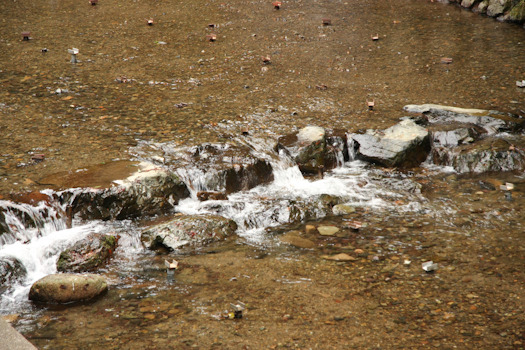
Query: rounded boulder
(64, 288)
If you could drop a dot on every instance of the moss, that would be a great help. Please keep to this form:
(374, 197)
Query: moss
(517, 14)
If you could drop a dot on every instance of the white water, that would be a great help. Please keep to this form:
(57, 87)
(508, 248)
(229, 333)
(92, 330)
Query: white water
(45, 219)
(255, 210)
(269, 205)
(39, 256)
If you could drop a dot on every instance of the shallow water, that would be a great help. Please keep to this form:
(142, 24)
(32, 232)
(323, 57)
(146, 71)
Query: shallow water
(96, 119)
(142, 91)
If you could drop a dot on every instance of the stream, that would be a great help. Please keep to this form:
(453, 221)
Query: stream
(154, 93)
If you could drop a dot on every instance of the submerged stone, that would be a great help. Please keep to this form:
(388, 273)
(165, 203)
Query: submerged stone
(343, 209)
(87, 254)
(293, 238)
(327, 230)
(192, 230)
(64, 288)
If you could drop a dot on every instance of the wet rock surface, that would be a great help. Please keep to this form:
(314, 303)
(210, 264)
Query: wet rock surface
(488, 155)
(313, 149)
(12, 271)
(150, 190)
(87, 254)
(405, 144)
(504, 10)
(226, 168)
(492, 121)
(474, 140)
(193, 230)
(65, 288)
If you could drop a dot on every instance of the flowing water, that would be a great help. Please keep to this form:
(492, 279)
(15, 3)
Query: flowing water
(149, 92)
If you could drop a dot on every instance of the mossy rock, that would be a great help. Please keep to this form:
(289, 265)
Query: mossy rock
(88, 254)
(517, 13)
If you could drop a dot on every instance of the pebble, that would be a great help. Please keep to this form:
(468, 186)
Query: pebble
(343, 209)
(339, 257)
(327, 230)
(292, 238)
(310, 229)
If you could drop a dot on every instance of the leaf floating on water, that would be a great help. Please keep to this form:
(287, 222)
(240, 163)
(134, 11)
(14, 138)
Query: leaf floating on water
(339, 257)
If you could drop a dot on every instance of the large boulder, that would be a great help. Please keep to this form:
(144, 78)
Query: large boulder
(64, 288)
(149, 190)
(313, 149)
(188, 230)
(223, 168)
(12, 271)
(87, 254)
(405, 144)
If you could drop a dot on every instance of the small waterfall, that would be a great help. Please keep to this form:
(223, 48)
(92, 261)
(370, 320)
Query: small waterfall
(34, 236)
(23, 222)
(289, 195)
(351, 147)
(39, 256)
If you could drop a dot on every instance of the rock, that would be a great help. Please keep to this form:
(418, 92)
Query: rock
(87, 254)
(12, 271)
(339, 257)
(343, 209)
(216, 196)
(492, 121)
(405, 144)
(481, 7)
(150, 190)
(65, 288)
(497, 7)
(491, 154)
(313, 150)
(327, 230)
(310, 229)
(293, 238)
(517, 13)
(188, 230)
(32, 210)
(224, 168)
(311, 208)
(468, 3)
(451, 135)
